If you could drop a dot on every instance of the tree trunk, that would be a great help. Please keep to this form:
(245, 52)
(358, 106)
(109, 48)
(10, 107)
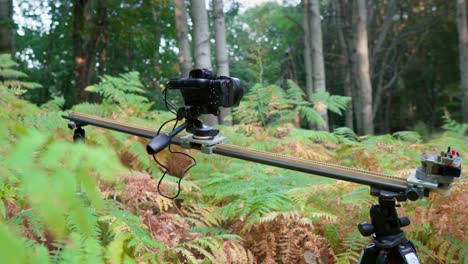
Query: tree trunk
(185, 56)
(318, 67)
(343, 33)
(102, 53)
(84, 53)
(156, 15)
(307, 49)
(7, 33)
(463, 46)
(222, 56)
(309, 84)
(288, 68)
(201, 43)
(361, 66)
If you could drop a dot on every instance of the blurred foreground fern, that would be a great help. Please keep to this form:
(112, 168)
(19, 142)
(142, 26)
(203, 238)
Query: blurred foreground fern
(10, 79)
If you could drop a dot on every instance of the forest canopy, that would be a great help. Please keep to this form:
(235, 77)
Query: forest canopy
(414, 64)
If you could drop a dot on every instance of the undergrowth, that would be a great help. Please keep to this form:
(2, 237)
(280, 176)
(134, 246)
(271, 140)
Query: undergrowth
(97, 202)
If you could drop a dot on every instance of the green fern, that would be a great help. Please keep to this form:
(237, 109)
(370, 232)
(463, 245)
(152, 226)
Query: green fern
(59, 173)
(206, 246)
(17, 249)
(33, 222)
(247, 199)
(271, 105)
(354, 244)
(346, 135)
(409, 136)
(10, 78)
(56, 104)
(334, 103)
(454, 128)
(360, 195)
(125, 90)
(435, 248)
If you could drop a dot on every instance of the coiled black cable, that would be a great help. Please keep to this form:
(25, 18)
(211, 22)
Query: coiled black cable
(173, 110)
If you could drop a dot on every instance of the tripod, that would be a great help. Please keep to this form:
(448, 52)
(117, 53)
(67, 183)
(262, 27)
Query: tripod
(389, 242)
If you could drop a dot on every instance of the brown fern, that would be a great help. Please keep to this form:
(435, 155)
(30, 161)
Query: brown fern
(234, 253)
(287, 238)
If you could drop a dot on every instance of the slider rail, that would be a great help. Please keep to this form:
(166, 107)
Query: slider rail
(373, 179)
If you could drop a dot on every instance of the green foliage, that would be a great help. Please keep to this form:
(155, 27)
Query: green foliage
(410, 136)
(346, 135)
(313, 135)
(222, 195)
(16, 249)
(246, 199)
(271, 105)
(438, 248)
(335, 103)
(259, 50)
(125, 90)
(10, 78)
(55, 104)
(206, 246)
(354, 244)
(454, 128)
(7, 65)
(60, 175)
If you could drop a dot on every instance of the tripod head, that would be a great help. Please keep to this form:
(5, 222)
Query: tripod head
(390, 244)
(384, 218)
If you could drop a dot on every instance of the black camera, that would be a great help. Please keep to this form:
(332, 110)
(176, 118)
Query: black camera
(206, 92)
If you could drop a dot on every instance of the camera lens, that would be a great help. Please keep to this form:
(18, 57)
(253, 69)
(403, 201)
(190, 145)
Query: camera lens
(237, 91)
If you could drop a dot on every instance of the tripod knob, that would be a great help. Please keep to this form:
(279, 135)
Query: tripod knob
(404, 221)
(414, 194)
(366, 229)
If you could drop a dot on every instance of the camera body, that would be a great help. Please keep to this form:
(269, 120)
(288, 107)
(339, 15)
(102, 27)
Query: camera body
(207, 92)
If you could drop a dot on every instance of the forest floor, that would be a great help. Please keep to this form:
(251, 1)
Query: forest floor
(229, 211)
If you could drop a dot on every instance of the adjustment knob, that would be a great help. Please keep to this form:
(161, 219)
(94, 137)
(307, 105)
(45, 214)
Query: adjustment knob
(404, 221)
(414, 194)
(365, 229)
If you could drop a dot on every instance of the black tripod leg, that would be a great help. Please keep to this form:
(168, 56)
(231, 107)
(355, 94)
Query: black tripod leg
(78, 135)
(408, 254)
(369, 254)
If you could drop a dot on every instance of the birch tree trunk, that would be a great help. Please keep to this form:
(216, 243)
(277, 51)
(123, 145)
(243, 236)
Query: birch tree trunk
(463, 46)
(201, 44)
(6, 27)
(185, 56)
(318, 68)
(363, 103)
(222, 56)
